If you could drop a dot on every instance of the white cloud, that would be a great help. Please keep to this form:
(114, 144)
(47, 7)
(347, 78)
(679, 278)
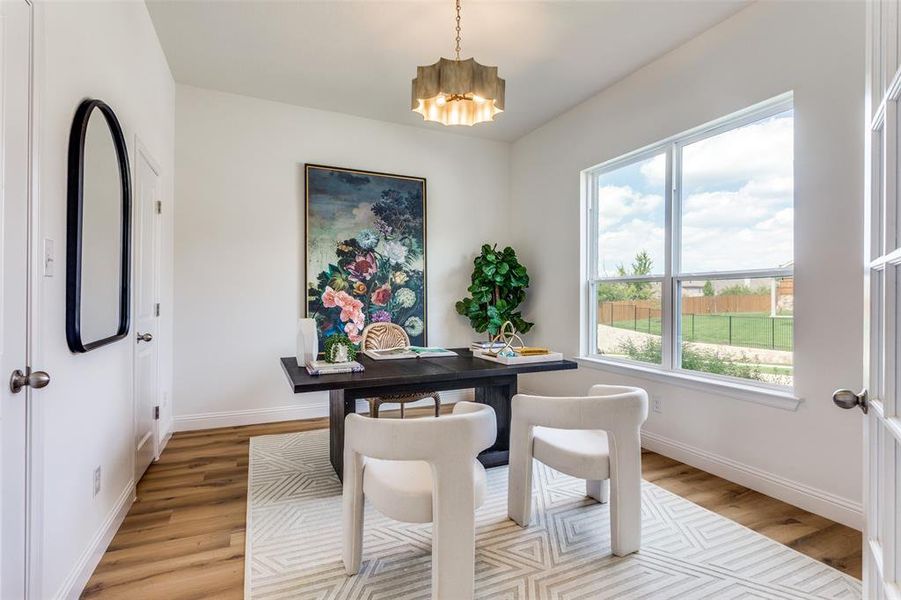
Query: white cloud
(616, 203)
(776, 186)
(782, 222)
(736, 213)
(761, 151)
(654, 170)
(748, 229)
(629, 221)
(731, 209)
(619, 246)
(748, 248)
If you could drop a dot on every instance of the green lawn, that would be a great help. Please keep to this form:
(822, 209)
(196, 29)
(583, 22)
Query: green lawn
(746, 330)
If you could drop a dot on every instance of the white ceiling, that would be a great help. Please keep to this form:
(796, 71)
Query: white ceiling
(359, 57)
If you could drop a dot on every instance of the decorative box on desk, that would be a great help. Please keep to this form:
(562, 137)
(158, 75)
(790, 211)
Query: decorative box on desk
(518, 360)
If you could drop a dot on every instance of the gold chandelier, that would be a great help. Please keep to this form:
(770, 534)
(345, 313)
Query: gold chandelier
(458, 92)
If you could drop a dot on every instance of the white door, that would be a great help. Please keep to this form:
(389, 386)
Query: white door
(882, 370)
(146, 298)
(15, 190)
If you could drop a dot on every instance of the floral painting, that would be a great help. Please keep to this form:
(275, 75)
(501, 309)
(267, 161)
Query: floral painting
(365, 245)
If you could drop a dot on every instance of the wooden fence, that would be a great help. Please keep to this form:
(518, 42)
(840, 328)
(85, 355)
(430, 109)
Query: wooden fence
(627, 310)
(712, 305)
(732, 320)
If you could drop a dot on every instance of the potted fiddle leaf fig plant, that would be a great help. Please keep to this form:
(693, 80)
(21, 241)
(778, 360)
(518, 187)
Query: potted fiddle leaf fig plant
(498, 287)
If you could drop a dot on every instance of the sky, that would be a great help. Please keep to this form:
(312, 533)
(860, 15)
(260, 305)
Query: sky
(737, 207)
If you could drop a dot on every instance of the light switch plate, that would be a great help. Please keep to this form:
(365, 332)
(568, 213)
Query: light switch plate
(49, 258)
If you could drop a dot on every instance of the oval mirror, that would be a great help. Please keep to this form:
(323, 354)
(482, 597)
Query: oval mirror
(97, 248)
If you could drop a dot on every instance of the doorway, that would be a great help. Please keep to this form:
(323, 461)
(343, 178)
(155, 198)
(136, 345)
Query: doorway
(148, 208)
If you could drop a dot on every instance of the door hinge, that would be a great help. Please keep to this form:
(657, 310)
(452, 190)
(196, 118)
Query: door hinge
(156, 413)
(156, 309)
(159, 207)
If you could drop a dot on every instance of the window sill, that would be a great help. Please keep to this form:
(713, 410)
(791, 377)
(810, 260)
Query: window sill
(776, 398)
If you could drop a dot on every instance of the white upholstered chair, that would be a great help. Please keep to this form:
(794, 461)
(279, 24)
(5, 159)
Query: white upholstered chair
(595, 438)
(421, 470)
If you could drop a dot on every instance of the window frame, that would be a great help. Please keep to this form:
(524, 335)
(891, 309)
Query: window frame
(672, 278)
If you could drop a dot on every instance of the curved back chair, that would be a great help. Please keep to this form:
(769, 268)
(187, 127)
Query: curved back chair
(421, 470)
(384, 336)
(596, 438)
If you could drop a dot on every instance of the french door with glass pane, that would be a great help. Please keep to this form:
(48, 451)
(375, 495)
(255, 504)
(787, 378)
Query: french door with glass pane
(882, 375)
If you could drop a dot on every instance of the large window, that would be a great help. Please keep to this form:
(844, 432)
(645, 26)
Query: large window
(691, 247)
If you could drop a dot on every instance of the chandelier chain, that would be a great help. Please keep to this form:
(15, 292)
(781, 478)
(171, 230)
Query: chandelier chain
(458, 30)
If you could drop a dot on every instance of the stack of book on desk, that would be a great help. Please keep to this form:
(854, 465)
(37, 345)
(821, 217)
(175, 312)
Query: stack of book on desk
(321, 367)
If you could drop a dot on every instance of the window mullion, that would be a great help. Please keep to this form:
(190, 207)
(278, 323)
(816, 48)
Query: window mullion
(592, 341)
(666, 296)
(675, 295)
(592, 236)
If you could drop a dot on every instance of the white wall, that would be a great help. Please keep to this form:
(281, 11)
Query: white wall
(108, 51)
(811, 457)
(239, 239)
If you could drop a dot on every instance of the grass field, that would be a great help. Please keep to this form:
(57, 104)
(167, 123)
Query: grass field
(746, 330)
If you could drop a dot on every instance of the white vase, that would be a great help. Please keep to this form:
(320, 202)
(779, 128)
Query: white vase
(307, 341)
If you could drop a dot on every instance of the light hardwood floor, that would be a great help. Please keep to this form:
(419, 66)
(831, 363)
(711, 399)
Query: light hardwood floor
(184, 536)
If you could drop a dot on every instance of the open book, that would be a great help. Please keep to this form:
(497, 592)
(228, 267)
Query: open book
(408, 352)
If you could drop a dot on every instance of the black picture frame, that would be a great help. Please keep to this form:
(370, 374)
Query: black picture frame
(74, 233)
(307, 168)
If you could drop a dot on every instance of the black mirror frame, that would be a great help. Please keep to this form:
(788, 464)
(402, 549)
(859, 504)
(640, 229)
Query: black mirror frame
(74, 223)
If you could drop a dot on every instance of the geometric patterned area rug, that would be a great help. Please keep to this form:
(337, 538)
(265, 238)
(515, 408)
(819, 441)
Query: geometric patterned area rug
(294, 543)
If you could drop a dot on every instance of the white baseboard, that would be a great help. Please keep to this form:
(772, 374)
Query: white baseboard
(252, 416)
(803, 496)
(78, 578)
(165, 441)
(256, 416)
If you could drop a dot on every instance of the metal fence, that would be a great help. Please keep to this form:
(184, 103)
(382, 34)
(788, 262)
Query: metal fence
(747, 331)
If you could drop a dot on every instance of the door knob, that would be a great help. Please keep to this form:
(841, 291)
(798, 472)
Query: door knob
(145, 337)
(34, 379)
(848, 399)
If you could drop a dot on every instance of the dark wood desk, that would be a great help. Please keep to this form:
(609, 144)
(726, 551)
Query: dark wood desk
(494, 384)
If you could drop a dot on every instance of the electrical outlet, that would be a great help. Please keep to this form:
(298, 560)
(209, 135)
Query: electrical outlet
(657, 404)
(96, 481)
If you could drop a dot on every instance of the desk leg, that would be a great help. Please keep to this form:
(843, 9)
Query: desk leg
(340, 404)
(498, 396)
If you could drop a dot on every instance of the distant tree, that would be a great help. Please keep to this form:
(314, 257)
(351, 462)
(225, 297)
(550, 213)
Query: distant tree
(612, 292)
(708, 288)
(742, 289)
(641, 265)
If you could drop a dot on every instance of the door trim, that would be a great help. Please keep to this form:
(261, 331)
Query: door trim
(34, 468)
(143, 153)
